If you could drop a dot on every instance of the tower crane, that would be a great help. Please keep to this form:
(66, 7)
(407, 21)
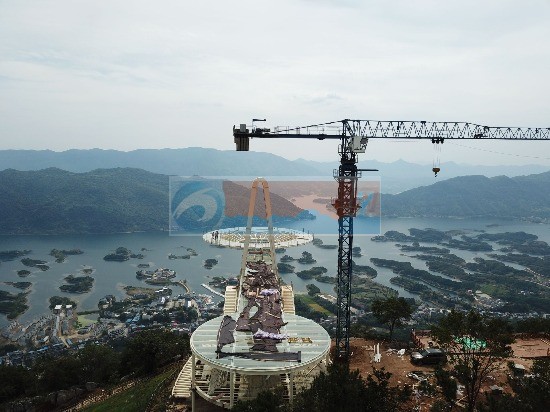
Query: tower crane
(353, 136)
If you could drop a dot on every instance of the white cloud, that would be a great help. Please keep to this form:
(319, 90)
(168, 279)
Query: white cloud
(136, 74)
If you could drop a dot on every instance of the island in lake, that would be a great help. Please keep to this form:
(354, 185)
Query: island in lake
(122, 254)
(19, 285)
(40, 264)
(160, 276)
(6, 255)
(61, 255)
(13, 305)
(77, 284)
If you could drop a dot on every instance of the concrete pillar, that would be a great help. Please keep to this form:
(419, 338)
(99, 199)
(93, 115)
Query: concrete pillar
(231, 388)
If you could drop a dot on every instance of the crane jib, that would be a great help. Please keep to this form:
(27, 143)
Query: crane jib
(354, 135)
(376, 129)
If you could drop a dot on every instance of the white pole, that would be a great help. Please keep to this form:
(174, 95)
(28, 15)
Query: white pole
(193, 383)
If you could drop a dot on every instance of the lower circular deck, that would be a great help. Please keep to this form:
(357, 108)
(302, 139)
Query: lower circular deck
(305, 336)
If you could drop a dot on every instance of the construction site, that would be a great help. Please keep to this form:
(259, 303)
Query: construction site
(259, 343)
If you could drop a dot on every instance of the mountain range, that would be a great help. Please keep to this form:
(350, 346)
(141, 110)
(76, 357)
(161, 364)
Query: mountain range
(127, 199)
(396, 177)
(520, 197)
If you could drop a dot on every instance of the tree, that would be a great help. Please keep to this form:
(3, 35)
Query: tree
(312, 289)
(391, 311)
(151, 349)
(98, 363)
(340, 389)
(266, 401)
(531, 393)
(476, 345)
(448, 386)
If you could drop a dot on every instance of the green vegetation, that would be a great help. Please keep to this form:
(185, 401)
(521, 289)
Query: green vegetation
(363, 270)
(61, 300)
(312, 273)
(171, 256)
(424, 249)
(519, 197)
(134, 399)
(312, 290)
(365, 293)
(210, 263)
(472, 364)
(325, 279)
(392, 312)
(60, 255)
(469, 243)
(19, 285)
(285, 268)
(392, 236)
(141, 355)
(319, 243)
(40, 264)
(77, 284)
(121, 254)
(315, 307)
(336, 390)
(405, 269)
(538, 264)
(6, 255)
(13, 305)
(306, 259)
(531, 393)
(23, 273)
(101, 201)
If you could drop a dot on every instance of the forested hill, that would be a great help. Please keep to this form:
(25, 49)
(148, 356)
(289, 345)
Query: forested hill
(54, 201)
(125, 199)
(525, 197)
(101, 201)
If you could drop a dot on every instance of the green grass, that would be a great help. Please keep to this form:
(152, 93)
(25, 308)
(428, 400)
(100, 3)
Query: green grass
(134, 399)
(312, 304)
(85, 321)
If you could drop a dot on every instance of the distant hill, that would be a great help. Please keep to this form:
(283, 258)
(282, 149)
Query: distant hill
(181, 162)
(526, 197)
(101, 201)
(54, 201)
(400, 175)
(396, 176)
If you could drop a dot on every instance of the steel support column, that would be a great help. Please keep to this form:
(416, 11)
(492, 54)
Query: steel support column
(346, 208)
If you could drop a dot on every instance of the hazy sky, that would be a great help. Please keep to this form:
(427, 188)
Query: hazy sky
(155, 74)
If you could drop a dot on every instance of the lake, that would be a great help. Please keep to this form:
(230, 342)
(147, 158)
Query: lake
(111, 277)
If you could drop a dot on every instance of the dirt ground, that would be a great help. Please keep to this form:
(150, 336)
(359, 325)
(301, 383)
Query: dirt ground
(362, 358)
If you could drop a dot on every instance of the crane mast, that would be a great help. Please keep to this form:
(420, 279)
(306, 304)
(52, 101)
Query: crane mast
(353, 136)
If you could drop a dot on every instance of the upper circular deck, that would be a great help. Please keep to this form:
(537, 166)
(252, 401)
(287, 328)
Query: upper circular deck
(305, 336)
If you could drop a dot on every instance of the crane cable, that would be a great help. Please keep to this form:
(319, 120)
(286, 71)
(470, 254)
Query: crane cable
(436, 163)
(501, 153)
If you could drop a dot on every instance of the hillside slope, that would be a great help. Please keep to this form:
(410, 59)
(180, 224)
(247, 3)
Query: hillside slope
(54, 201)
(475, 196)
(101, 201)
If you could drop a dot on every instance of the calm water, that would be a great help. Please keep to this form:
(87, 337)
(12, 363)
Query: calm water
(111, 277)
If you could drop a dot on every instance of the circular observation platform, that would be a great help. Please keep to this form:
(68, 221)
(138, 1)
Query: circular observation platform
(234, 237)
(305, 336)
